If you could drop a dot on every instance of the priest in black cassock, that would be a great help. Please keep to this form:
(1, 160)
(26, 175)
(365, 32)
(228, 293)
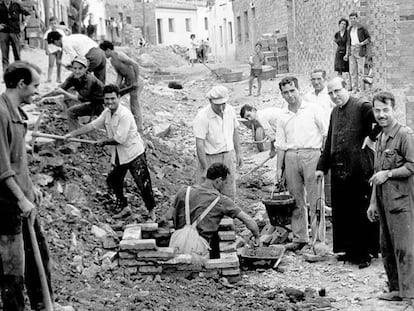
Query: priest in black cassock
(349, 154)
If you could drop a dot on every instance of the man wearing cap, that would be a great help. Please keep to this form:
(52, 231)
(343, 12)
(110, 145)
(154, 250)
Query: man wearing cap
(79, 45)
(217, 140)
(88, 98)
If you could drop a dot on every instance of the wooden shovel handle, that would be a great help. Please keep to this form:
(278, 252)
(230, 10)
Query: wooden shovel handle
(47, 300)
(52, 136)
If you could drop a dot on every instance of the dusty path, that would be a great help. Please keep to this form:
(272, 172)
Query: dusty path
(172, 164)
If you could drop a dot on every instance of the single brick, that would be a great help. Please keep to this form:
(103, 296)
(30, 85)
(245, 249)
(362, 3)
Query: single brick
(234, 278)
(192, 267)
(232, 272)
(179, 259)
(161, 253)
(132, 233)
(145, 263)
(109, 242)
(148, 226)
(227, 247)
(227, 235)
(222, 263)
(127, 255)
(150, 269)
(138, 244)
(230, 255)
(226, 224)
(162, 233)
(127, 262)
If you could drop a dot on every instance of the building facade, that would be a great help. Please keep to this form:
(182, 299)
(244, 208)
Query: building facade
(222, 30)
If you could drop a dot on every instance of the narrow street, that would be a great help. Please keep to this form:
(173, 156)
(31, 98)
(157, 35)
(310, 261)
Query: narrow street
(83, 279)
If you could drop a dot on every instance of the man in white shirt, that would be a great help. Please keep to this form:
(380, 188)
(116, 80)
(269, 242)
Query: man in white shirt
(300, 132)
(127, 150)
(217, 140)
(81, 46)
(319, 94)
(268, 120)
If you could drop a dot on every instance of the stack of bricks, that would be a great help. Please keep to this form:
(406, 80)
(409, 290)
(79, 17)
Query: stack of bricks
(143, 250)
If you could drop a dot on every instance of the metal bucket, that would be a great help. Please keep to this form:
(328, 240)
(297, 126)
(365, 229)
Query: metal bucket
(279, 208)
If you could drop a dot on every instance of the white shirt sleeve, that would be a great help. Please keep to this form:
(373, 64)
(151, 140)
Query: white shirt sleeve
(200, 126)
(99, 122)
(280, 136)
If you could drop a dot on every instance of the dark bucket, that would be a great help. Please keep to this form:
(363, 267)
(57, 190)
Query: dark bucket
(279, 209)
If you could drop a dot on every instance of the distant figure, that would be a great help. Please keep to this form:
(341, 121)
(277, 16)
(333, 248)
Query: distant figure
(128, 76)
(358, 40)
(256, 62)
(90, 30)
(192, 52)
(54, 52)
(341, 38)
(10, 12)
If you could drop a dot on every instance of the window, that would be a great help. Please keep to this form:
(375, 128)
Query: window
(159, 31)
(253, 13)
(188, 24)
(171, 27)
(246, 26)
(239, 30)
(231, 32)
(205, 23)
(221, 36)
(128, 20)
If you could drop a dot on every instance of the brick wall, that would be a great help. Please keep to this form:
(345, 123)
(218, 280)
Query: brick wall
(265, 17)
(312, 25)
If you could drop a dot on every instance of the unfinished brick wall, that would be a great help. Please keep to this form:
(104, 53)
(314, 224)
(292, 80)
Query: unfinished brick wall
(144, 250)
(265, 17)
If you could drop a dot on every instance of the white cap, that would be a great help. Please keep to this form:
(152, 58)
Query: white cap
(218, 94)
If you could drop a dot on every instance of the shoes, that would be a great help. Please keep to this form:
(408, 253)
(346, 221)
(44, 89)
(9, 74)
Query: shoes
(122, 206)
(124, 213)
(364, 264)
(343, 257)
(391, 296)
(295, 246)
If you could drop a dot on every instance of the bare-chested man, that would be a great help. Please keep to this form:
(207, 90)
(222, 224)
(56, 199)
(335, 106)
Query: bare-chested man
(128, 76)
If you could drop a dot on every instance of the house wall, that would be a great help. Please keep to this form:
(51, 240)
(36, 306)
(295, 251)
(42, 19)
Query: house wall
(263, 17)
(221, 34)
(179, 34)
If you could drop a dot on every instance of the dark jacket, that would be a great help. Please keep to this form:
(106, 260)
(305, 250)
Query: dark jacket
(363, 34)
(11, 17)
(89, 88)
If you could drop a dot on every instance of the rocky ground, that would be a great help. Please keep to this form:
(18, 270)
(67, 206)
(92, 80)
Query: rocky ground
(73, 180)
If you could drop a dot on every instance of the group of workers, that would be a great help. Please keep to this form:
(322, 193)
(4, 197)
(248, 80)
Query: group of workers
(368, 156)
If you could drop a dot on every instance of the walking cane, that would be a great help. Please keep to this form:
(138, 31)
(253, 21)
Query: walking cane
(47, 300)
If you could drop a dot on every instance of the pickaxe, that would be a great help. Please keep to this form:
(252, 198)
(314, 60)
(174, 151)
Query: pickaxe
(256, 167)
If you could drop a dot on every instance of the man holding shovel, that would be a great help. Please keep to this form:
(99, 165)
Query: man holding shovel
(18, 196)
(128, 150)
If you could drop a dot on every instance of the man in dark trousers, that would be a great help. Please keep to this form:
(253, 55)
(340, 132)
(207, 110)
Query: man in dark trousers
(392, 199)
(348, 154)
(10, 12)
(18, 196)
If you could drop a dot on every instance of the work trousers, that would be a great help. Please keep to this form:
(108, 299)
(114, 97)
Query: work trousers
(134, 104)
(18, 267)
(229, 160)
(356, 68)
(97, 63)
(139, 171)
(300, 167)
(80, 110)
(396, 215)
(7, 39)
